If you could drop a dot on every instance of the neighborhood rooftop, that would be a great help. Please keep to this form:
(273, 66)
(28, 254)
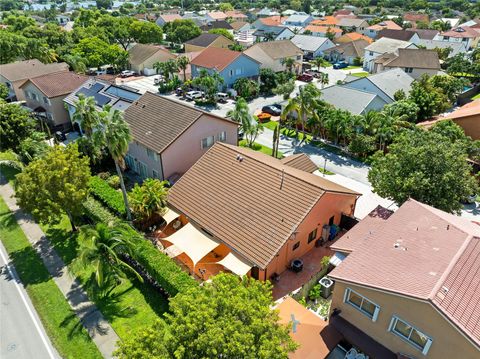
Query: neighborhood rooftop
(141, 52)
(385, 45)
(22, 70)
(58, 84)
(229, 189)
(215, 58)
(419, 252)
(203, 40)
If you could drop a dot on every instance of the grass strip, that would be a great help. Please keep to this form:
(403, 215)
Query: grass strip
(61, 324)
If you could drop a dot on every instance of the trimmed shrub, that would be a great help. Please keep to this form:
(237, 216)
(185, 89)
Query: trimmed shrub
(163, 269)
(97, 212)
(114, 181)
(111, 198)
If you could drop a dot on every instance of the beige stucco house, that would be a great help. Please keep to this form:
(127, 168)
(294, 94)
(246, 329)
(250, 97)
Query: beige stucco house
(169, 137)
(15, 74)
(272, 55)
(141, 58)
(409, 283)
(414, 62)
(207, 40)
(45, 95)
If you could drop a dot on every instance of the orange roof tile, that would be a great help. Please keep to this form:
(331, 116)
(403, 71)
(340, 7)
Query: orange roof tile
(273, 20)
(325, 21)
(216, 58)
(322, 29)
(388, 24)
(353, 36)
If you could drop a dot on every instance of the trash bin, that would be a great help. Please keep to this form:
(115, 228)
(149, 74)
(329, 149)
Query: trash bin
(326, 286)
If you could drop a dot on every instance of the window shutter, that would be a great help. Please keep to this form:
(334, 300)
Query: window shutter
(345, 296)
(427, 347)
(375, 313)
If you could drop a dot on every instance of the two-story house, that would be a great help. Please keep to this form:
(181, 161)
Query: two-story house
(410, 283)
(312, 46)
(225, 196)
(298, 20)
(45, 94)
(169, 137)
(230, 65)
(414, 62)
(272, 55)
(381, 47)
(15, 74)
(142, 57)
(207, 40)
(373, 30)
(466, 35)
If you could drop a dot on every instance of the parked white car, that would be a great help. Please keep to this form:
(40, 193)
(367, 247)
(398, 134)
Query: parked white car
(127, 73)
(194, 95)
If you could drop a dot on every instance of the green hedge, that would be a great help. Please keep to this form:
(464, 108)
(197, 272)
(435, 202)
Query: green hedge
(110, 197)
(168, 274)
(163, 269)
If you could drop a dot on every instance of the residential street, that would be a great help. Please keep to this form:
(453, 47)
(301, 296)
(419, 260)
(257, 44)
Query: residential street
(22, 335)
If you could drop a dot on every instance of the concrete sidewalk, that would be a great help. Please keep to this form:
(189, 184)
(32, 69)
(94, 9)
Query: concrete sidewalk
(98, 328)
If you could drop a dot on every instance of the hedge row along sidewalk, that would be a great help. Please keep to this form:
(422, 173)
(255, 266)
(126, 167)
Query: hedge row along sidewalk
(98, 328)
(64, 330)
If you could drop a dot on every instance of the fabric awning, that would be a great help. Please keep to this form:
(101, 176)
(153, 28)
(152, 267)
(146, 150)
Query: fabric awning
(192, 242)
(170, 215)
(235, 264)
(337, 258)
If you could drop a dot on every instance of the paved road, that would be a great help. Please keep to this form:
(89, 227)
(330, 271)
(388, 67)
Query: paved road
(22, 335)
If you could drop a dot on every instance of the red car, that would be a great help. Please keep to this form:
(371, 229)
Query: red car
(305, 78)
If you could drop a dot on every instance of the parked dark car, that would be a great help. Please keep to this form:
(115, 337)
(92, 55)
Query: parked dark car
(274, 110)
(340, 65)
(305, 78)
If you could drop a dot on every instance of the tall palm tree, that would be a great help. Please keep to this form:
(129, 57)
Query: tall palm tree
(288, 63)
(113, 133)
(102, 247)
(241, 113)
(319, 62)
(182, 63)
(86, 114)
(323, 79)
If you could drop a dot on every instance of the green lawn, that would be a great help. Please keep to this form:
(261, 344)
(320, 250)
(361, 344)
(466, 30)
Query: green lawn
(360, 74)
(327, 172)
(476, 97)
(260, 148)
(351, 67)
(129, 307)
(62, 325)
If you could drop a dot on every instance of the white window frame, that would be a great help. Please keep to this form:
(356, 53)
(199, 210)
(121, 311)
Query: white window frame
(207, 145)
(373, 316)
(391, 329)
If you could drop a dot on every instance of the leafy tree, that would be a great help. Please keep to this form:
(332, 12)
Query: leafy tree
(236, 47)
(223, 32)
(182, 64)
(399, 95)
(429, 99)
(33, 147)
(289, 63)
(246, 88)
(449, 129)
(225, 6)
(229, 317)
(54, 184)
(103, 4)
(425, 166)
(16, 125)
(449, 85)
(181, 30)
(12, 45)
(209, 83)
(145, 32)
(362, 145)
(17, 23)
(404, 110)
(319, 62)
(149, 199)
(114, 134)
(285, 89)
(4, 91)
(267, 81)
(104, 248)
(97, 52)
(167, 68)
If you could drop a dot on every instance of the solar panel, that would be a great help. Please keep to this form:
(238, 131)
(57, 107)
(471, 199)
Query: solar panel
(101, 100)
(84, 91)
(96, 87)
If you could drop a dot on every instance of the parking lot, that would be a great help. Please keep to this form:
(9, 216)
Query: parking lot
(145, 83)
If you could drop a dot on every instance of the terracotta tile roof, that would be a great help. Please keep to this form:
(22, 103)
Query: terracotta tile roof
(273, 20)
(215, 58)
(204, 40)
(156, 121)
(420, 252)
(248, 200)
(353, 36)
(301, 162)
(322, 29)
(462, 32)
(325, 21)
(217, 15)
(388, 24)
(170, 17)
(235, 14)
(415, 58)
(142, 52)
(23, 70)
(470, 109)
(343, 12)
(415, 17)
(57, 84)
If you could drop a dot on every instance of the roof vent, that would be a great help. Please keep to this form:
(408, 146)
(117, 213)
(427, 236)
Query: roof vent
(459, 29)
(239, 158)
(445, 289)
(148, 133)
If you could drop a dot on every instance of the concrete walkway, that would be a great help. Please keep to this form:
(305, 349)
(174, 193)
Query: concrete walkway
(99, 329)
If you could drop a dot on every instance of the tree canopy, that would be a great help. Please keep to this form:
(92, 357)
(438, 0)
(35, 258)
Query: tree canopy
(55, 184)
(229, 317)
(16, 125)
(426, 166)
